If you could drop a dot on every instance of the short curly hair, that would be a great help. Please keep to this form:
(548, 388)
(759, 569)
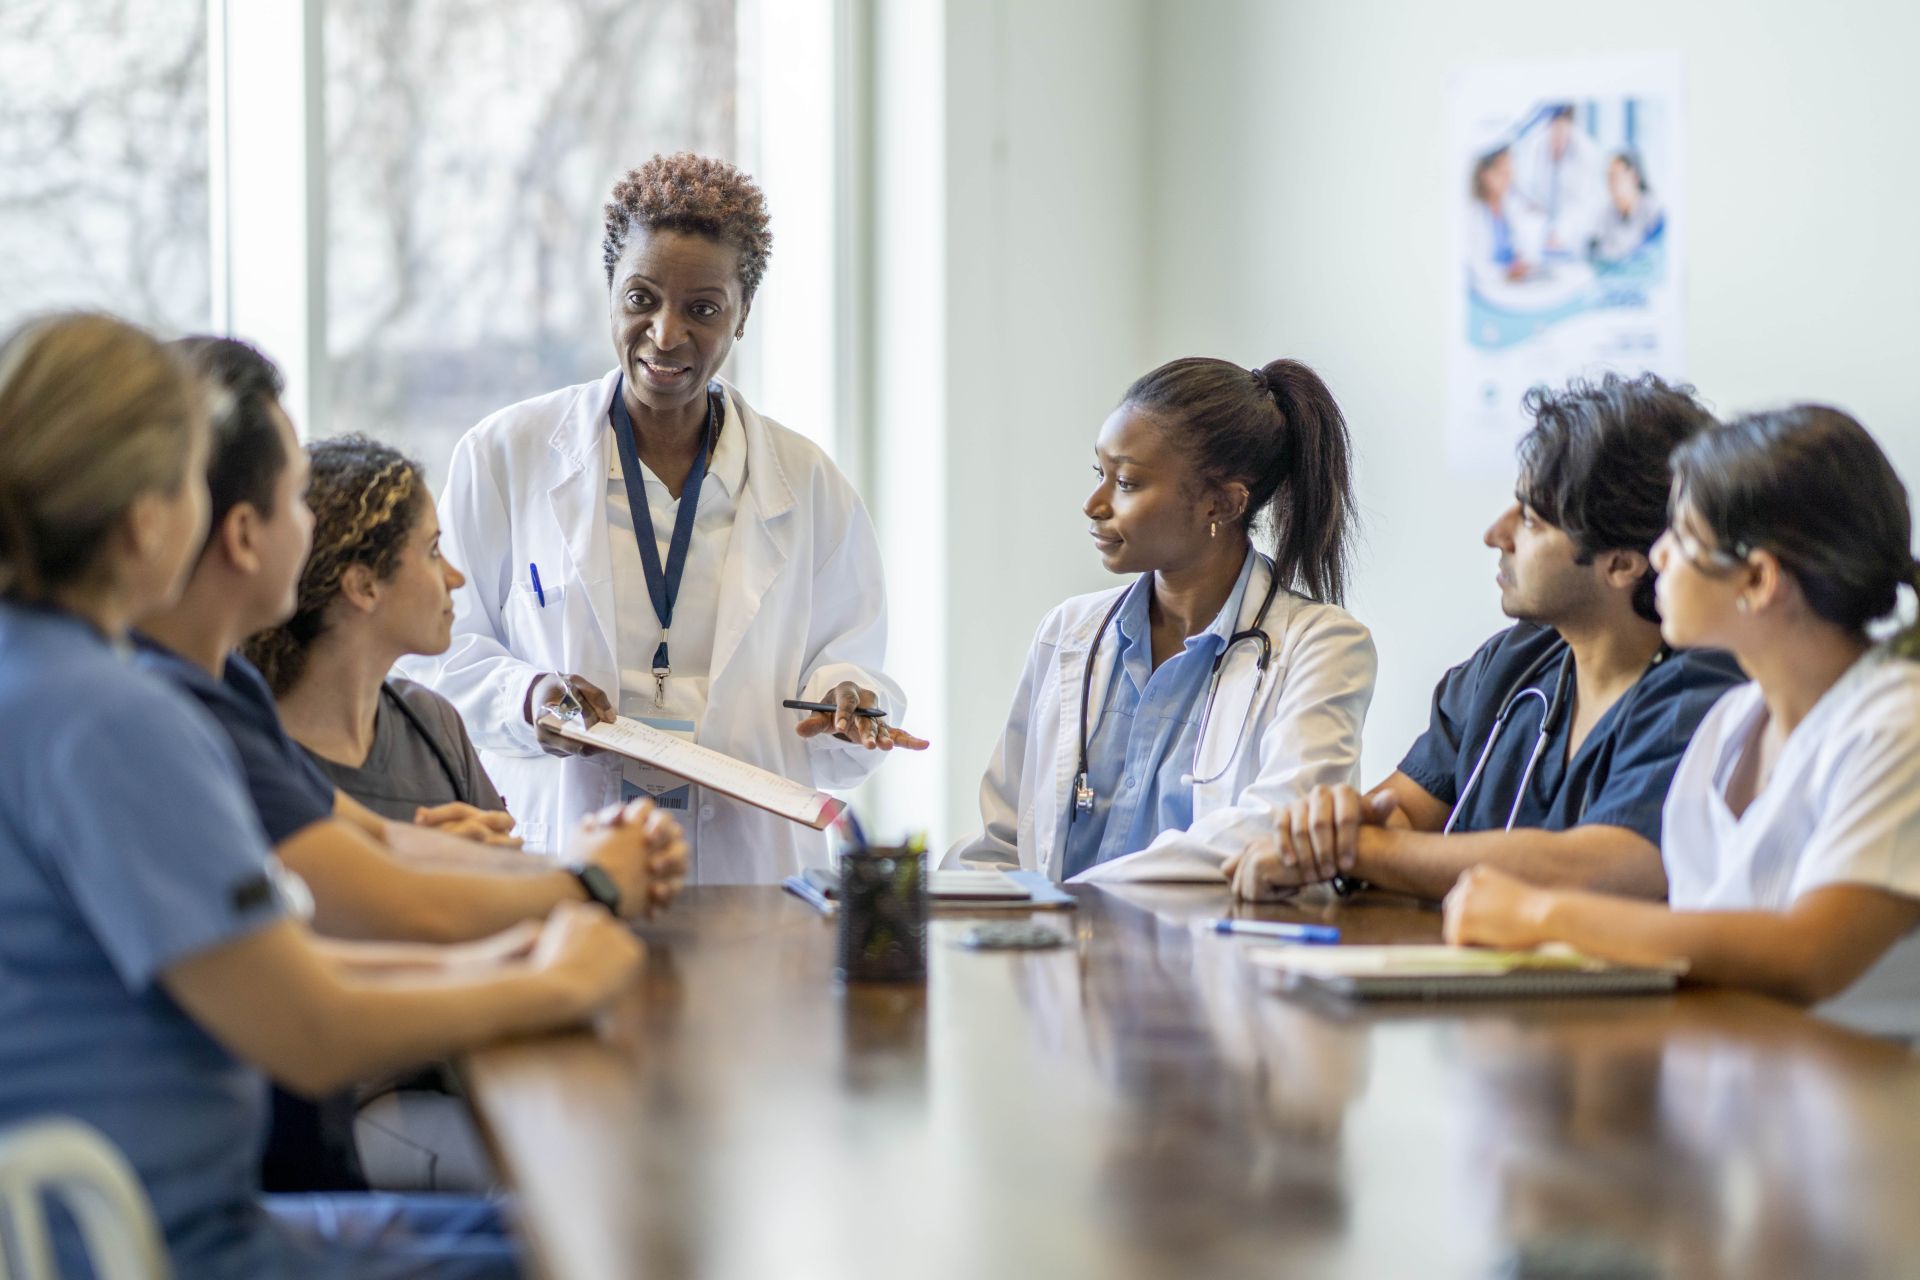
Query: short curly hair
(686, 192)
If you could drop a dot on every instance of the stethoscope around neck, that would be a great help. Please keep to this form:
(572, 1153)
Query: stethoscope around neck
(1553, 710)
(1256, 634)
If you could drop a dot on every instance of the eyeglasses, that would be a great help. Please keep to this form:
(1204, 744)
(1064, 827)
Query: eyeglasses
(1714, 562)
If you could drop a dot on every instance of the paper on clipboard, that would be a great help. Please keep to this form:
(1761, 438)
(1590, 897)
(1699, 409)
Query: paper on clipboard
(705, 766)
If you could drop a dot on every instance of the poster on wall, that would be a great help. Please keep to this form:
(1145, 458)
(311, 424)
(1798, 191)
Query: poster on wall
(1567, 240)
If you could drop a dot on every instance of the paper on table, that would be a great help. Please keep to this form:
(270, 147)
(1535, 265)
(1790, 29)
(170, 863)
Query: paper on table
(704, 765)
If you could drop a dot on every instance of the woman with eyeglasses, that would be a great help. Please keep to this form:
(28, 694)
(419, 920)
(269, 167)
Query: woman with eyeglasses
(1159, 724)
(1792, 829)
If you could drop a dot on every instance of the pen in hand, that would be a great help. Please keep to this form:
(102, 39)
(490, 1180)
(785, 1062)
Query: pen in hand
(828, 708)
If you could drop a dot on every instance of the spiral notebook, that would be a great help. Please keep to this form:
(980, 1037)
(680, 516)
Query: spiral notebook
(1452, 973)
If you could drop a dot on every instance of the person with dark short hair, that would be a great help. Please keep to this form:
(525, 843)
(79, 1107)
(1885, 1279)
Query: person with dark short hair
(1792, 847)
(649, 545)
(1550, 750)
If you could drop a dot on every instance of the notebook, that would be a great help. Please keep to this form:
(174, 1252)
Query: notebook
(1452, 973)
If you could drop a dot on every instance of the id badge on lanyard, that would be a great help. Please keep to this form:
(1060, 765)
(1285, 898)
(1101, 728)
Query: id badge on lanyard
(663, 581)
(667, 790)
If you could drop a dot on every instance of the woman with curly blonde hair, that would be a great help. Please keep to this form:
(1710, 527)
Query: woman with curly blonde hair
(375, 589)
(648, 544)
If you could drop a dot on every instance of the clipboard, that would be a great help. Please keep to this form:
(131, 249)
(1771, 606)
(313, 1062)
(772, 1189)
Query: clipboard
(704, 766)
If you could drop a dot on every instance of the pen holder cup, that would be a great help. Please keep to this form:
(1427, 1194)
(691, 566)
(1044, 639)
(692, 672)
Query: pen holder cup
(883, 915)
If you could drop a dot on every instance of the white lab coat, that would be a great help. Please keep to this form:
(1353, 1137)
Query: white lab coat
(1304, 731)
(802, 607)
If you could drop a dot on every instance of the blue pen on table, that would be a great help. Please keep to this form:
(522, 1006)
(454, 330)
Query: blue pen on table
(533, 571)
(1317, 934)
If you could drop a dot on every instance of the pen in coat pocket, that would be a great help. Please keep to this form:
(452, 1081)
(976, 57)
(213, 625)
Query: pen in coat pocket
(533, 571)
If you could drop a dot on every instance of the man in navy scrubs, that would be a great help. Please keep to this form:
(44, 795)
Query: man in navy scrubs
(1550, 749)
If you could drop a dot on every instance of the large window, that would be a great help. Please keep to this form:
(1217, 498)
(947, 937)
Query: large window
(103, 159)
(400, 200)
(470, 145)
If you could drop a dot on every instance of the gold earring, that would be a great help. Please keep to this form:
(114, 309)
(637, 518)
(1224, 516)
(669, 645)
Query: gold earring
(1213, 528)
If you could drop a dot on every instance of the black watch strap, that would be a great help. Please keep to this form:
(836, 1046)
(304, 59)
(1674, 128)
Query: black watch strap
(599, 886)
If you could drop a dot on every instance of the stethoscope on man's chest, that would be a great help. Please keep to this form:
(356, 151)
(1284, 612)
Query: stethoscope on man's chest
(1256, 634)
(1554, 708)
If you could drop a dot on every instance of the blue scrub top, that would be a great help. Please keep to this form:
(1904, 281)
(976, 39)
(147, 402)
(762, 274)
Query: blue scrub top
(287, 788)
(1144, 740)
(127, 844)
(1622, 770)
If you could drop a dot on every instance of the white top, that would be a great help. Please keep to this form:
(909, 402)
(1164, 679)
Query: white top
(1842, 807)
(697, 608)
(1299, 727)
(801, 607)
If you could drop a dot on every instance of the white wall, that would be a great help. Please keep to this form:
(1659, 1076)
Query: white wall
(1009, 314)
(1298, 153)
(1069, 191)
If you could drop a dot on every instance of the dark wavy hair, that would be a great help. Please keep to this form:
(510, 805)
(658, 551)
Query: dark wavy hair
(1810, 485)
(366, 498)
(1594, 464)
(1277, 430)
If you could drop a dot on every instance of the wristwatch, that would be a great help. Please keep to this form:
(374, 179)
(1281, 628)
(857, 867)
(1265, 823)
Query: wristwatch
(599, 886)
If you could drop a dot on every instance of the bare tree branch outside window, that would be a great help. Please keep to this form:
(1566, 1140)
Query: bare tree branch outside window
(103, 159)
(470, 146)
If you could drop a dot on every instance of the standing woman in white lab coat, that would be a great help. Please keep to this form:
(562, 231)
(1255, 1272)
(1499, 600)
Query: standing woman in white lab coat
(754, 575)
(1160, 725)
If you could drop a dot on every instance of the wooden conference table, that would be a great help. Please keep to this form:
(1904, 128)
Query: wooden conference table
(1133, 1105)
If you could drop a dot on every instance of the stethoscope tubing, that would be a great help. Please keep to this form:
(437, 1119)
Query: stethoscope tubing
(1083, 793)
(1551, 711)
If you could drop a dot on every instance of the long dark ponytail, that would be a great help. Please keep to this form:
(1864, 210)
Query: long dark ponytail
(1277, 430)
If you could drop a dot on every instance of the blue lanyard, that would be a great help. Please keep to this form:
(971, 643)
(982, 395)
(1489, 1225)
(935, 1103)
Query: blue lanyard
(663, 586)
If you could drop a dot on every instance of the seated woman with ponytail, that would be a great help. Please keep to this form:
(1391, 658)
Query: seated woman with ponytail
(1158, 725)
(1792, 828)
(376, 589)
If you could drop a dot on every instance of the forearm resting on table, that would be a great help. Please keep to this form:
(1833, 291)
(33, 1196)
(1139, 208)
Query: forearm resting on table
(1597, 856)
(360, 890)
(1813, 950)
(427, 847)
(276, 1000)
(428, 959)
